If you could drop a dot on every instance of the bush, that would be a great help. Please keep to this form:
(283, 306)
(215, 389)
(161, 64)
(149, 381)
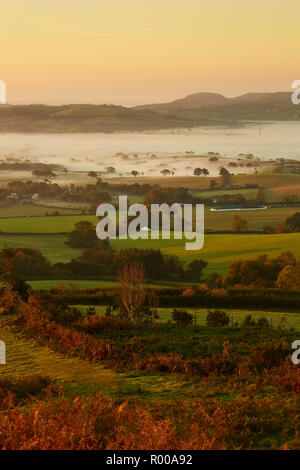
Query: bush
(261, 322)
(182, 317)
(217, 318)
(270, 354)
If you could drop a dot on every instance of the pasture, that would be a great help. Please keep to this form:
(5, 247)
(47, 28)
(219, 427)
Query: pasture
(53, 247)
(214, 221)
(275, 318)
(219, 250)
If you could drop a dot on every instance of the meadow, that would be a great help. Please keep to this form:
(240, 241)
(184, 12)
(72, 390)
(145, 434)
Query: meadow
(219, 250)
(276, 318)
(214, 221)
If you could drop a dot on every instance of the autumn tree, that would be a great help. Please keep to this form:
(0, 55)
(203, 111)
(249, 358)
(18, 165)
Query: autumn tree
(289, 278)
(132, 279)
(239, 225)
(225, 176)
(294, 221)
(10, 274)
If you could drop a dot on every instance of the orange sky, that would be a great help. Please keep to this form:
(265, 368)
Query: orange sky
(141, 51)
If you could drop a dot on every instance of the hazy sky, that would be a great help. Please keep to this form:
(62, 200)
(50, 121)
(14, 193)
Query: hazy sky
(141, 51)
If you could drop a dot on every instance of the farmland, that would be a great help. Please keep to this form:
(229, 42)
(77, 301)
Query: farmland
(219, 250)
(214, 221)
(190, 374)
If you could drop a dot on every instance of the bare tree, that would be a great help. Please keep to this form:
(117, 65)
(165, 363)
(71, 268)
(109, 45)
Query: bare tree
(132, 279)
(153, 305)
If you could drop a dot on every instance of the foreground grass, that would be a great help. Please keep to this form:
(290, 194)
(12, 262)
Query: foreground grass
(24, 357)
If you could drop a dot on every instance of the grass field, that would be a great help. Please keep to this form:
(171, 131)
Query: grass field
(214, 221)
(25, 357)
(31, 210)
(219, 250)
(53, 247)
(276, 318)
(53, 224)
(47, 284)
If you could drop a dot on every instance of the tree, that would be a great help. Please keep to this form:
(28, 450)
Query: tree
(260, 196)
(268, 229)
(216, 318)
(225, 176)
(201, 171)
(110, 170)
(239, 225)
(84, 236)
(293, 221)
(282, 228)
(10, 273)
(289, 278)
(92, 174)
(165, 172)
(195, 270)
(135, 173)
(132, 279)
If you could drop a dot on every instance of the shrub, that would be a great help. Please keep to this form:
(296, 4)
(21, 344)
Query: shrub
(182, 317)
(261, 322)
(269, 354)
(217, 318)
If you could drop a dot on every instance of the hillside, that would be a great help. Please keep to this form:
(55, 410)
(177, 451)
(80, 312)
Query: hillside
(82, 118)
(194, 110)
(212, 106)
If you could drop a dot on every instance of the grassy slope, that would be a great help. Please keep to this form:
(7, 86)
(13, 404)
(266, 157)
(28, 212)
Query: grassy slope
(25, 357)
(52, 246)
(82, 118)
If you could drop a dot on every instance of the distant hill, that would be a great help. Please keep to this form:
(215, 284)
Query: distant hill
(197, 100)
(199, 109)
(83, 118)
(212, 106)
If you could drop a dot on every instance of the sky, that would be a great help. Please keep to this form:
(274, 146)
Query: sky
(133, 52)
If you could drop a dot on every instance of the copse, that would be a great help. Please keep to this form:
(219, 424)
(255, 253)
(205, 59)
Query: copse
(293, 221)
(84, 236)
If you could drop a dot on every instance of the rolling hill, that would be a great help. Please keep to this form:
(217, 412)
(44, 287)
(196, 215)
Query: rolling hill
(199, 109)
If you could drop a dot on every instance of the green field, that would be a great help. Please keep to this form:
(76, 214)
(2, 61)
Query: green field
(214, 221)
(48, 284)
(276, 318)
(33, 210)
(53, 247)
(53, 224)
(219, 250)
